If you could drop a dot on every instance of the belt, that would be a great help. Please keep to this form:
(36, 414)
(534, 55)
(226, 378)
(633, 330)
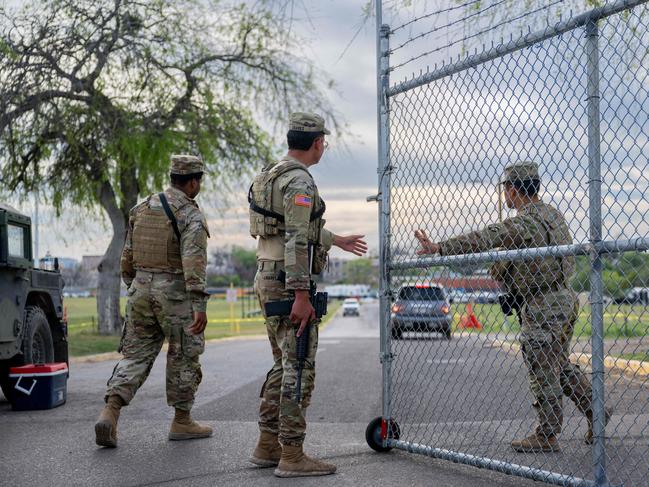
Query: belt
(531, 294)
(147, 273)
(270, 265)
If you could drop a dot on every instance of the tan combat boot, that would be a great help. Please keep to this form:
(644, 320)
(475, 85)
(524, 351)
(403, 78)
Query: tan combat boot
(536, 443)
(106, 425)
(294, 463)
(268, 450)
(184, 427)
(588, 438)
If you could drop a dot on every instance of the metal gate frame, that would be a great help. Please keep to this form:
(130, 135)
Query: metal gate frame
(595, 248)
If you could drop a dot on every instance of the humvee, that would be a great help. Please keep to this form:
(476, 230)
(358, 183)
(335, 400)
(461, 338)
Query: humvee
(33, 328)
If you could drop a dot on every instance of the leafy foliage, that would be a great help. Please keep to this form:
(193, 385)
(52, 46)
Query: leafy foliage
(97, 92)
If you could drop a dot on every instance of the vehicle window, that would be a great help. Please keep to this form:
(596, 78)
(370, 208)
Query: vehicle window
(16, 237)
(413, 293)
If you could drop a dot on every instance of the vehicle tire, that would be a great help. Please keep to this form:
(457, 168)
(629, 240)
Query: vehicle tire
(448, 333)
(38, 345)
(396, 333)
(373, 434)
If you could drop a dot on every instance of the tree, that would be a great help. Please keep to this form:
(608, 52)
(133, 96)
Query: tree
(244, 262)
(360, 271)
(95, 95)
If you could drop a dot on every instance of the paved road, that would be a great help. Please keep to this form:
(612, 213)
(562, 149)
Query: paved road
(435, 381)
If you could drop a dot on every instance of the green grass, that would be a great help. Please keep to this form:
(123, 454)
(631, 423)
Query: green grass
(642, 356)
(84, 339)
(620, 321)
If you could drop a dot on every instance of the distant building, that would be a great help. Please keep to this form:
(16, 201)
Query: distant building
(469, 283)
(90, 263)
(341, 291)
(67, 263)
(335, 271)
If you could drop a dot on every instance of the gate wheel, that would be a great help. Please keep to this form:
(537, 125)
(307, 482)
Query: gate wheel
(373, 434)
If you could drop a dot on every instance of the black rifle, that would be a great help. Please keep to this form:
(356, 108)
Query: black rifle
(511, 302)
(283, 308)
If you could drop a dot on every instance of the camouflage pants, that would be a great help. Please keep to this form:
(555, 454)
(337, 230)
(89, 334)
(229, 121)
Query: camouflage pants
(280, 413)
(158, 308)
(547, 329)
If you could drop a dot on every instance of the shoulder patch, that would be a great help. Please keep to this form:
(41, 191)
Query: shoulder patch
(303, 200)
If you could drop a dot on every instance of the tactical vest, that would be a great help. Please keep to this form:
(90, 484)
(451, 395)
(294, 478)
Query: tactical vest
(155, 245)
(264, 221)
(528, 278)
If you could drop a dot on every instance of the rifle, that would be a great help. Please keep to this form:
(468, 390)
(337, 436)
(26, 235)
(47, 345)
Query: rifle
(511, 302)
(283, 308)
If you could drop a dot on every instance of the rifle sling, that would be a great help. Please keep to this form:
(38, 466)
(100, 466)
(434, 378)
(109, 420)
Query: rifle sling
(170, 214)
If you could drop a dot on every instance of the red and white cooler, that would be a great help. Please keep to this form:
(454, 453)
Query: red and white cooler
(41, 386)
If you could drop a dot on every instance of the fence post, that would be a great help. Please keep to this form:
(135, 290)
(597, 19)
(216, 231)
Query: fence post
(595, 212)
(383, 81)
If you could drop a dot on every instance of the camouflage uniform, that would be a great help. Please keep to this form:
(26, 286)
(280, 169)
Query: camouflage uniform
(166, 283)
(287, 189)
(550, 307)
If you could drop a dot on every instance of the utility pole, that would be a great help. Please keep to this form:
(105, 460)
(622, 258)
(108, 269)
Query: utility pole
(36, 233)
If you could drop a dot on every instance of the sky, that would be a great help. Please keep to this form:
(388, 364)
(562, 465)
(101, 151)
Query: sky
(345, 176)
(450, 139)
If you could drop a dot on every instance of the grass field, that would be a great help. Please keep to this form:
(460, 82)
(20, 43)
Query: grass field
(620, 321)
(85, 340)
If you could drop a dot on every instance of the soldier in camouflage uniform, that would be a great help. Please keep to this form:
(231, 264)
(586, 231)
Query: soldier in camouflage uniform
(286, 216)
(163, 264)
(547, 307)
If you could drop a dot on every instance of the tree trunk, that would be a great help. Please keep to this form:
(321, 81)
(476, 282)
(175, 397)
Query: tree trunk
(109, 282)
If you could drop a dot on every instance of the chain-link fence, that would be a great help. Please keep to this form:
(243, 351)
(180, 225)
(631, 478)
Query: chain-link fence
(461, 380)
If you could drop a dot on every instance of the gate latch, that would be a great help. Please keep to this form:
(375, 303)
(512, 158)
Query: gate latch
(386, 357)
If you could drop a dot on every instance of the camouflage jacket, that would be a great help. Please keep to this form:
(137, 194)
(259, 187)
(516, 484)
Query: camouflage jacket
(535, 225)
(192, 248)
(294, 193)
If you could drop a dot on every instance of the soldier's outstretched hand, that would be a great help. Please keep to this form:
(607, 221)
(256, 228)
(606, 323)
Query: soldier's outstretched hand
(352, 243)
(427, 247)
(199, 324)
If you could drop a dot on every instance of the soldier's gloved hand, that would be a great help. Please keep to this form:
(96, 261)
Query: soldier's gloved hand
(199, 324)
(302, 312)
(427, 247)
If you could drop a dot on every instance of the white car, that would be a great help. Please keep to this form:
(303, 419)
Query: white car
(351, 307)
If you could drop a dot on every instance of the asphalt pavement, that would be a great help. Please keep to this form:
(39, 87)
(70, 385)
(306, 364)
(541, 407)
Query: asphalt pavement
(56, 447)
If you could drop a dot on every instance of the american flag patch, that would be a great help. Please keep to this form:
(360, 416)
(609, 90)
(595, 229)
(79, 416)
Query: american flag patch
(303, 200)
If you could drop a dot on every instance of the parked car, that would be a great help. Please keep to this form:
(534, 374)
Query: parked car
(421, 308)
(636, 295)
(486, 297)
(351, 307)
(457, 296)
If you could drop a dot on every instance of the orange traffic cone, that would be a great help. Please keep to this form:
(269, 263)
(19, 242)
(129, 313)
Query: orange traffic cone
(469, 320)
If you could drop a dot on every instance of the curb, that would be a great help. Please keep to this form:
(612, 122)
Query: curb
(632, 368)
(103, 357)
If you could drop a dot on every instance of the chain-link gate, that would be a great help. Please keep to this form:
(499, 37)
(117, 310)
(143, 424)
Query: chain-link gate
(461, 380)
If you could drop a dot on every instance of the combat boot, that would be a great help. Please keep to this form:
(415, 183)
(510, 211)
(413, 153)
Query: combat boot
(588, 438)
(536, 443)
(294, 463)
(184, 427)
(106, 425)
(268, 450)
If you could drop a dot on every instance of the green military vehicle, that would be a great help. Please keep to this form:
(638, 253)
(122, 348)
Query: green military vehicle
(32, 323)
